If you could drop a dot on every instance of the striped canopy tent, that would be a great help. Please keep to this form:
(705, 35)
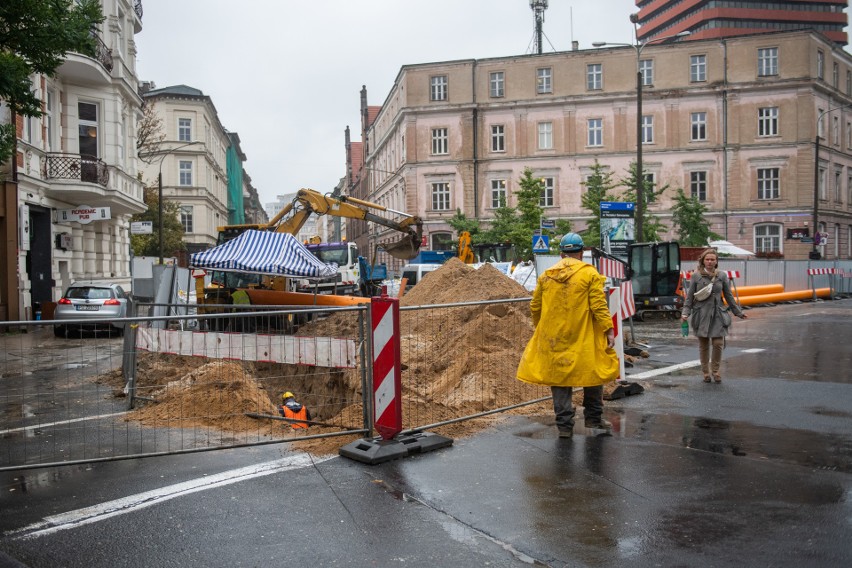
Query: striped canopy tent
(264, 252)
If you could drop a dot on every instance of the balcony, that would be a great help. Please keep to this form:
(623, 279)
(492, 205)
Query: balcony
(75, 167)
(89, 70)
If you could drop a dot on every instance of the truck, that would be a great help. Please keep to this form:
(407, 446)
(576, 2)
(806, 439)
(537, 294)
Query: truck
(345, 255)
(371, 277)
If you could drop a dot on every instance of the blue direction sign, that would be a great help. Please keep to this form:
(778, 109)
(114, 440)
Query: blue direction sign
(541, 243)
(548, 224)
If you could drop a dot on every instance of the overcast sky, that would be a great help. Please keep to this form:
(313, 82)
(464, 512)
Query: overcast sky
(286, 75)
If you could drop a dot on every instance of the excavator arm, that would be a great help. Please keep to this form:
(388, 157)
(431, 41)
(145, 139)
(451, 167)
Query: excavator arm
(308, 202)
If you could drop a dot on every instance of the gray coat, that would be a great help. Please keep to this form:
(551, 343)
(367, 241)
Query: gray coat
(706, 320)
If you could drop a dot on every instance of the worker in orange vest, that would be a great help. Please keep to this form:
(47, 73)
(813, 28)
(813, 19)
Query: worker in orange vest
(294, 410)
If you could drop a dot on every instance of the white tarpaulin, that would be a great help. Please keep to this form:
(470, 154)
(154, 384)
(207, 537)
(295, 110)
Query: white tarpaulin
(264, 252)
(725, 247)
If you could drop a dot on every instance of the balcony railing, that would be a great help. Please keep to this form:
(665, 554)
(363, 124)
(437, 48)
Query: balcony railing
(137, 7)
(76, 167)
(102, 53)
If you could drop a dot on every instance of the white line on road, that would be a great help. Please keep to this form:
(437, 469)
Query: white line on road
(678, 367)
(59, 423)
(131, 503)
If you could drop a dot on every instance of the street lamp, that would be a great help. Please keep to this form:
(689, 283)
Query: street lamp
(640, 177)
(164, 153)
(815, 254)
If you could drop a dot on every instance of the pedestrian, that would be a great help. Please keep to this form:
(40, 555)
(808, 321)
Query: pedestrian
(708, 316)
(572, 345)
(293, 410)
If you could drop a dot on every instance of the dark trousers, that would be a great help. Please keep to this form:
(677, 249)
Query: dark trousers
(564, 409)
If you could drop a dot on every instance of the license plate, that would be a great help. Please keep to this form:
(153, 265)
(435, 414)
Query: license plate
(87, 308)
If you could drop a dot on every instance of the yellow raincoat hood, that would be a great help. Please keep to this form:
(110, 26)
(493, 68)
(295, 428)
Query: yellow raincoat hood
(570, 312)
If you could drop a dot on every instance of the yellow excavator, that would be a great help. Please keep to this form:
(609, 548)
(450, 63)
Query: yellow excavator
(265, 290)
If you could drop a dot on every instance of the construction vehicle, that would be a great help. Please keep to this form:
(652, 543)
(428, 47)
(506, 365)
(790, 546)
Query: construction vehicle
(470, 253)
(371, 277)
(292, 218)
(654, 269)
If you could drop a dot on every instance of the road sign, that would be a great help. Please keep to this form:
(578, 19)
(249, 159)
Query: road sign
(807, 240)
(541, 244)
(548, 224)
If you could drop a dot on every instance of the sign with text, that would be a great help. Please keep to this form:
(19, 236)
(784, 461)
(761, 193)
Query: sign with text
(84, 214)
(548, 224)
(798, 233)
(617, 227)
(142, 228)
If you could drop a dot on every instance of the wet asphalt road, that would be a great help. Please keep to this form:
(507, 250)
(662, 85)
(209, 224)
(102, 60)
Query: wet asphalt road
(756, 471)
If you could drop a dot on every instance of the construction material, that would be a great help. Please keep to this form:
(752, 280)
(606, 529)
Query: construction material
(784, 297)
(760, 289)
(280, 298)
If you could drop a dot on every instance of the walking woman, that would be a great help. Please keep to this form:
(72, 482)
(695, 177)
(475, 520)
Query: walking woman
(709, 317)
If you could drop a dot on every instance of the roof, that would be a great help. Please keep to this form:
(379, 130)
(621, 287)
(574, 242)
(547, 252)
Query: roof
(263, 252)
(372, 113)
(182, 90)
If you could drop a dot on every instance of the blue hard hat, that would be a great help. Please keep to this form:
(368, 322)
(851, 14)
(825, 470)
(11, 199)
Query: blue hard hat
(571, 242)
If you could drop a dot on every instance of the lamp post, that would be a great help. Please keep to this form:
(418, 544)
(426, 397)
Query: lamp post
(815, 254)
(164, 153)
(640, 177)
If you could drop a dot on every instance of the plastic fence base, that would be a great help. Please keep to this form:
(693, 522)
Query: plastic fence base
(377, 450)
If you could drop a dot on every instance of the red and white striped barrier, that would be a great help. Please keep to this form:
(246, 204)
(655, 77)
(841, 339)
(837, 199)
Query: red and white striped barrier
(611, 268)
(817, 271)
(387, 379)
(731, 274)
(615, 311)
(627, 305)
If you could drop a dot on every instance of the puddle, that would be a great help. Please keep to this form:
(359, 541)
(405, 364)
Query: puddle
(806, 448)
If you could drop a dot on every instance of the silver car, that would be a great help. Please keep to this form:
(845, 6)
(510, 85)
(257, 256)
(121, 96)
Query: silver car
(99, 303)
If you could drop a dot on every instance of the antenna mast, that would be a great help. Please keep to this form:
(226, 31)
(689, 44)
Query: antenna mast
(538, 7)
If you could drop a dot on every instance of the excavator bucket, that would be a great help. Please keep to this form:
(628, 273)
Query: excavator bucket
(404, 249)
(407, 247)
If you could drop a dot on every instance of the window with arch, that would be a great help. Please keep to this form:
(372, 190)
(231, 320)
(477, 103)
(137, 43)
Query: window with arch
(767, 237)
(442, 241)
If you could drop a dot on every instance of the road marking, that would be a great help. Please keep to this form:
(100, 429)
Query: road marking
(679, 366)
(131, 503)
(49, 424)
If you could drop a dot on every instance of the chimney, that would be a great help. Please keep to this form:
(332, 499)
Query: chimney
(575, 45)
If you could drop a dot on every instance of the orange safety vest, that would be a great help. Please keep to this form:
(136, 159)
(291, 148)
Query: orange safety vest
(301, 415)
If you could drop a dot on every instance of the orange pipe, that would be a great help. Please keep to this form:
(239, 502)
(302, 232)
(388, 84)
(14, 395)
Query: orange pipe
(784, 297)
(281, 298)
(759, 289)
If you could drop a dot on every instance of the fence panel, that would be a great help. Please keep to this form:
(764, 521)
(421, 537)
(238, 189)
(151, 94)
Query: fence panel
(216, 385)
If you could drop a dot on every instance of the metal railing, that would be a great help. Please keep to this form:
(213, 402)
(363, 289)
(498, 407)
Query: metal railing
(137, 7)
(76, 167)
(103, 54)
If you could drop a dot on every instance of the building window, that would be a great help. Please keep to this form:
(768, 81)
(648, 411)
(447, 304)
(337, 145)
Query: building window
(820, 64)
(442, 241)
(438, 88)
(498, 193)
(646, 67)
(849, 83)
(544, 80)
(767, 238)
(697, 68)
(698, 185)
(594, 76)
(185, 129)
(546, 198)
(595, 129)
(698, 126)
(767, 121)
(87, 114)
(186, 218)
(821, 183)
(498, 138)
(835, 131)
(767, 61)
(835, 76)
(51, 121)
(497, 84)
(820, 129)
(849, 135)
(441, 196)
(185, 169)
(837, 185)
(440, 143)
(768, 183)
(647, 129)
(545, 135)
(650, 186)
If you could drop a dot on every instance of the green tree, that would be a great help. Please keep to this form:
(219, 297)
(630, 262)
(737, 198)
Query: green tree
(598, 187)
(461, 223)
(149, 245)
(35, 36)
(690, 223)
(651, 225)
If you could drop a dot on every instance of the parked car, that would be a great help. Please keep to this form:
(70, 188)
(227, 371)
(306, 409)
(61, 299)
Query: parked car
(416, 272)
(99, 303)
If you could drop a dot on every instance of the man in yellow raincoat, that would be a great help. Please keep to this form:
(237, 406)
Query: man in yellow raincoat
(572, 345)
